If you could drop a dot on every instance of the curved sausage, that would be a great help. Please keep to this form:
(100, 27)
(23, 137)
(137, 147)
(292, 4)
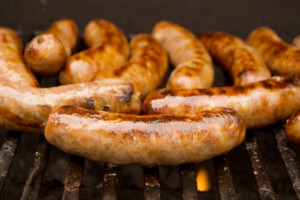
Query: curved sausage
(12, 67)
(46, 54)
(193, 65)
(292, 128)
(296, 41)
(243, 63)
(260, 103)
(281, 58)
(146, 67)
(108, 49)
(24, 108)
(147, 140)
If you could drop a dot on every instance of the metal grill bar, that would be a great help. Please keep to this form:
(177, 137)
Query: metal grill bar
(224, 178)
(110, 183)
(263, 183)
(73, 178)
(152, 185)
(37, 170)
(289, 158)
(7, 154)
(188, 182)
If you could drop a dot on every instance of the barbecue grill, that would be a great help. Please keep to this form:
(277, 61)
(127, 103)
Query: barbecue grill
(265, 166)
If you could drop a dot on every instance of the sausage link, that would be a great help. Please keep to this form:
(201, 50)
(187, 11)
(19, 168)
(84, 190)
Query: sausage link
(25, 108)
(260, 103)
(243, 63)
(281, 58)
(108, 50)
(147, 140)
(46, 54)
(12, 67)
(296, 41)
(147, 66)
(292, 128)
(193, 65)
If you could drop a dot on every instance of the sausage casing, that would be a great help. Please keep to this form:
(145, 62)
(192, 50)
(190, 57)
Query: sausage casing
(193, 65)
(296, 41)
(25, 108)
(12, 67)
(46, 54)
(243, 63)
(146, 67)
(119, 139)
(260, 103)
(281, 58)
(108, 50)
(292, 128)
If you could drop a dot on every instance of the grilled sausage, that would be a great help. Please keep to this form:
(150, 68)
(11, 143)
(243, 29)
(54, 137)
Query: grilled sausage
(193, 65)
(292, 128)
(243, 63)
(108, 50)
(260, 103)
(296, 41)
(12, 67)
(147, 66)
(147, 140)
(281, 58)
(24, 108)
(46, 54)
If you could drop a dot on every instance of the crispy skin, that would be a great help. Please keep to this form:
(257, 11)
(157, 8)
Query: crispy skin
(108, 50)
(46, 54)
(243, 63)
(296, 41)
(147, 140)
(193, 65)
(12, 67)
(24, 108)
(146, 67)
(292, 128)
(260, 103)
(281, 58)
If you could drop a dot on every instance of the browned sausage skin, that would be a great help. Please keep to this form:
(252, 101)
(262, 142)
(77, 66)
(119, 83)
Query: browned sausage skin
(243, 63)
(193, 65)
(147, 140)
(108, 50)
(146, 67)
(12, 67)
(260, 104)
(281, 58)
(46, 53)
(292, 128)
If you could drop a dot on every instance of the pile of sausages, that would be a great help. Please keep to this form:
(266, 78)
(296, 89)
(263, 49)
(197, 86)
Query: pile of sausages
(96, 111)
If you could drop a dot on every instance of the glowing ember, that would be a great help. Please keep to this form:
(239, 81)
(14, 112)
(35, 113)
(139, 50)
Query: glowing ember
(203, 183)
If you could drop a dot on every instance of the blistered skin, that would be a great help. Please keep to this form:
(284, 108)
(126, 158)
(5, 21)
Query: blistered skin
(46, 54)
(292, 128)
(26, 109)
(296, 41)
(281, 58)
(147, 140)
(193, 65)
(243, 63)
(108, 50)
(12, 67)
(146, 67)
(260, 104)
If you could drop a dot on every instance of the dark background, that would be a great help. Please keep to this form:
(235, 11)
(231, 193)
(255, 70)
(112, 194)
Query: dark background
(234, 16)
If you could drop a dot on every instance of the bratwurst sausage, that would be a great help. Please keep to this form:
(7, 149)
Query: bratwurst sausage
(281, 58)
(243, 63)
(108, 49)
(146, 67)
(147, 140)
(260, 103)
(193, 65)
(46, 54)
(292, 128)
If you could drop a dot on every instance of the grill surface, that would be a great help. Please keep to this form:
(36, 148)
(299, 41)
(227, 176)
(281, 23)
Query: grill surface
(265, 166)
